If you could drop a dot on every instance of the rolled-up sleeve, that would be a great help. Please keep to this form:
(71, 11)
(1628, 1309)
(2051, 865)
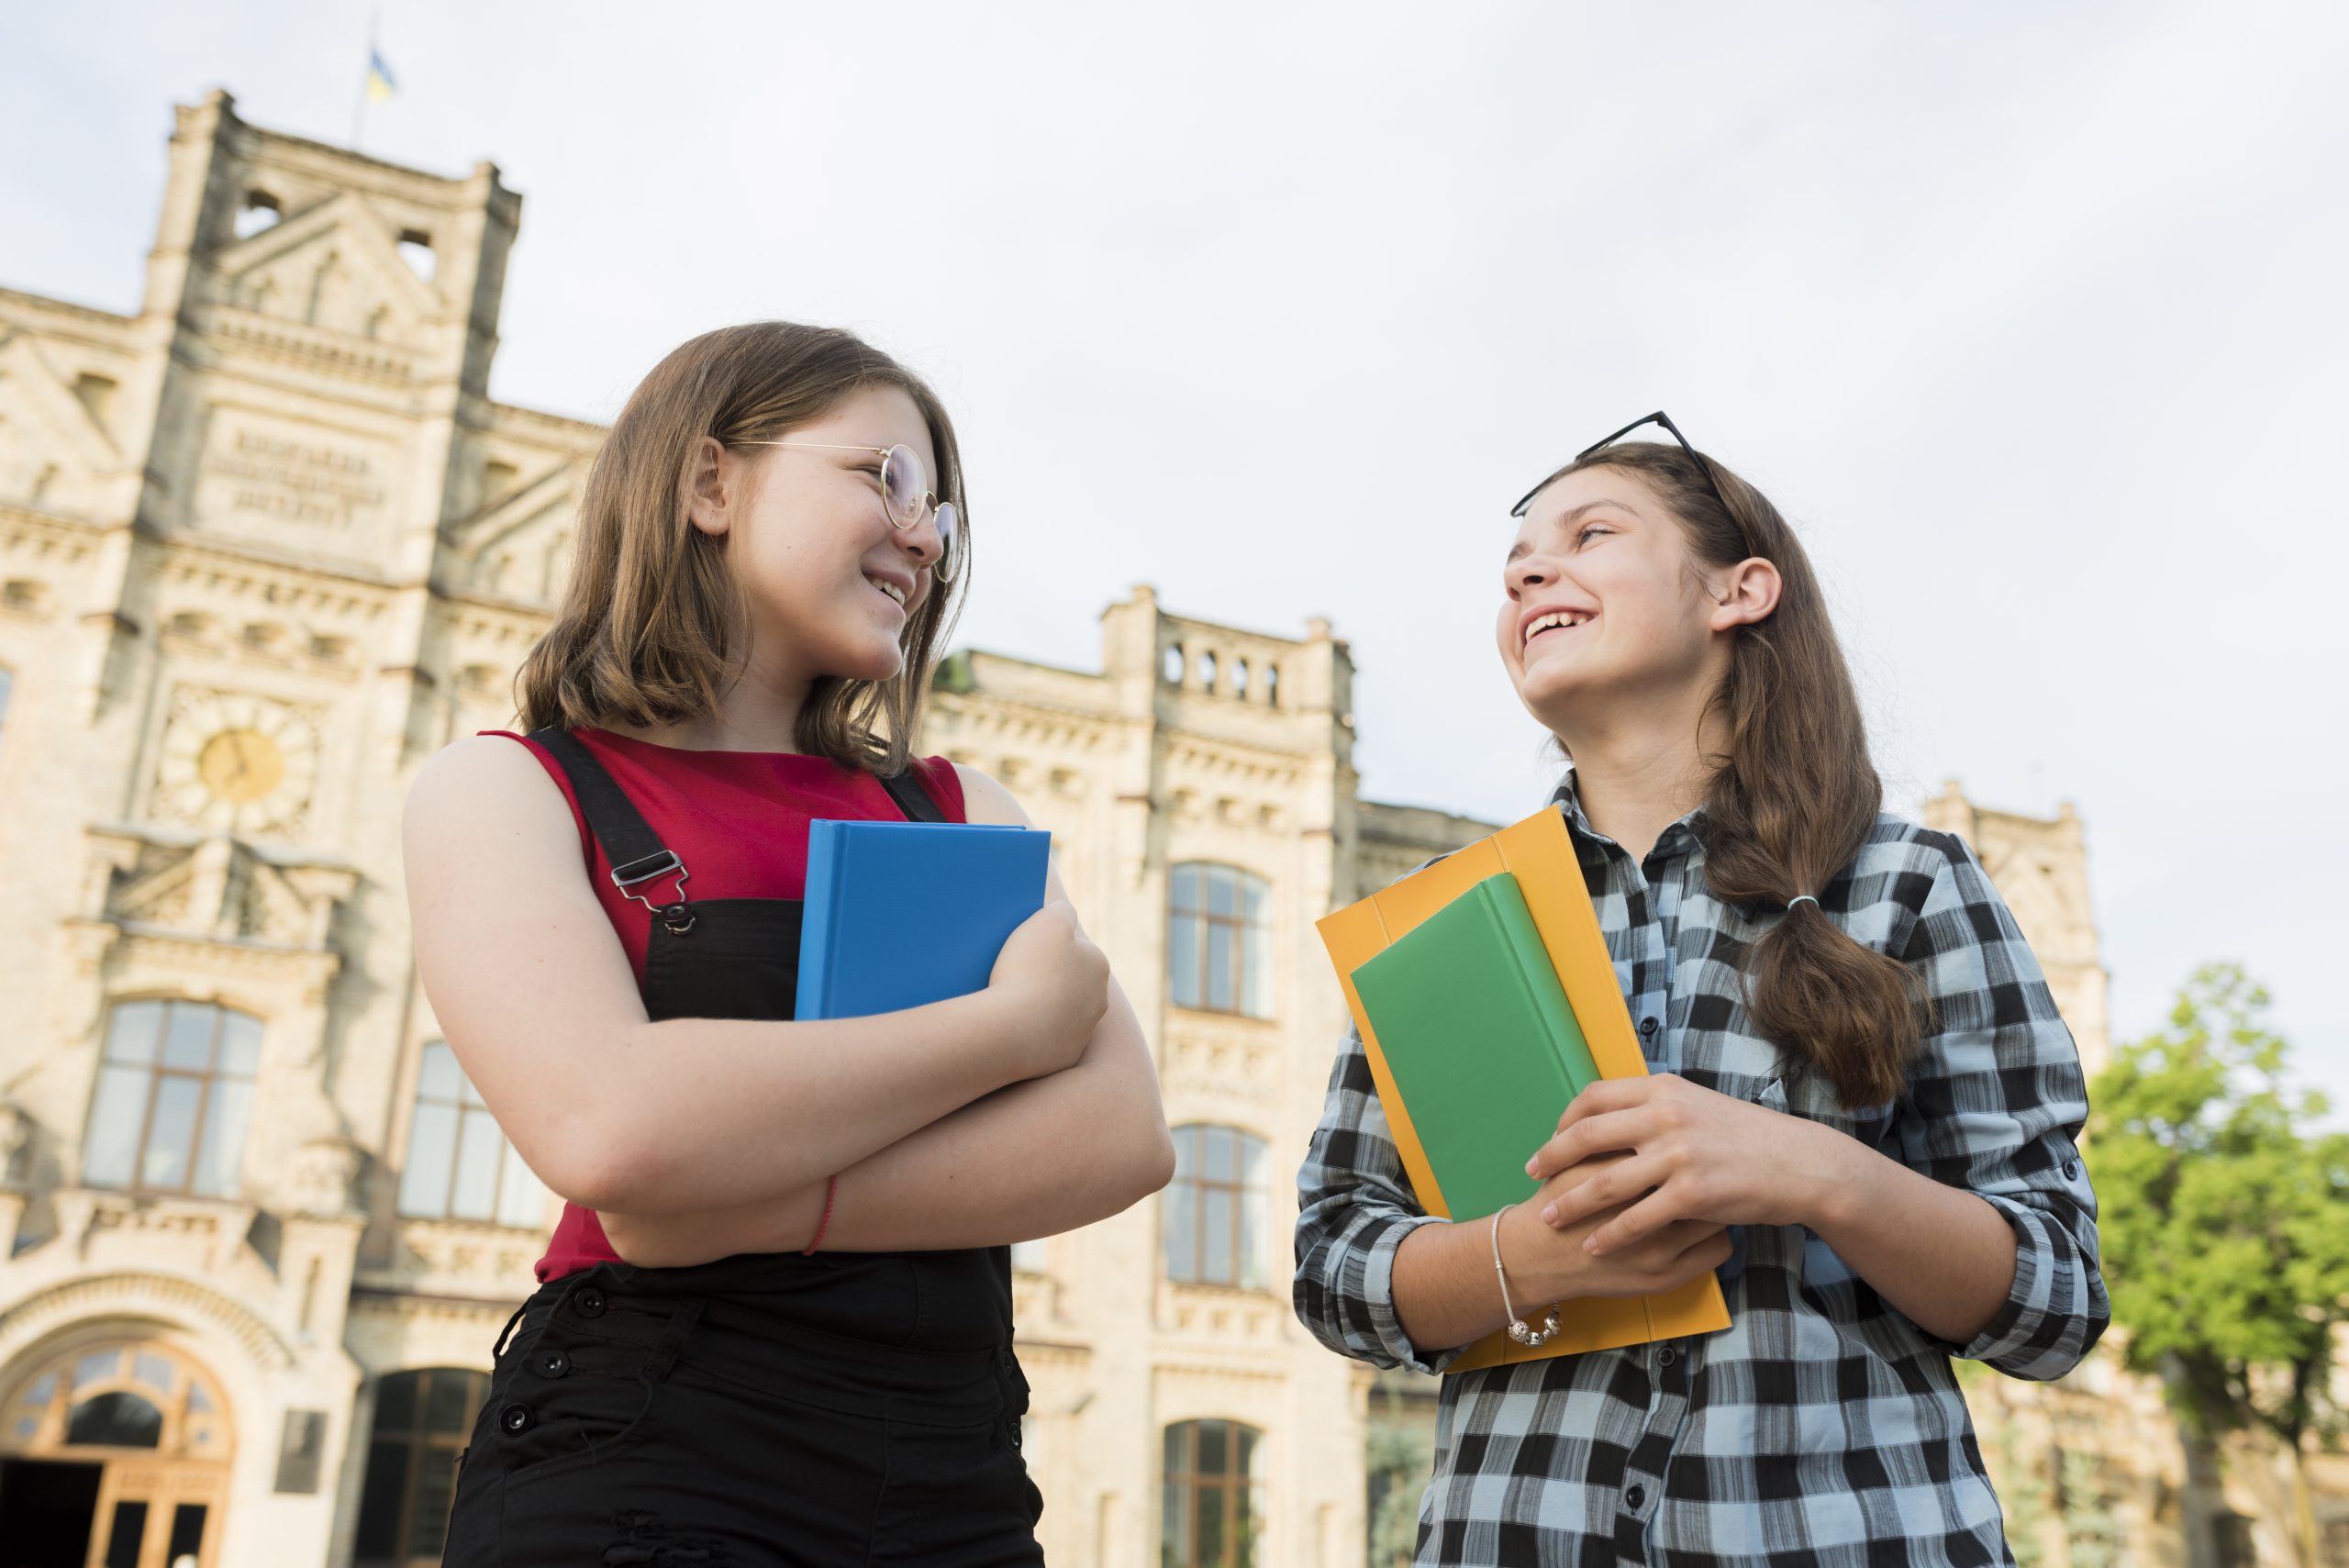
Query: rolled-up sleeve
(1354, 1206)
(1995, 1104)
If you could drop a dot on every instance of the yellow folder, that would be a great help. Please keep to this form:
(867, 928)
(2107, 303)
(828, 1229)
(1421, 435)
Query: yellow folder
(1542, 857)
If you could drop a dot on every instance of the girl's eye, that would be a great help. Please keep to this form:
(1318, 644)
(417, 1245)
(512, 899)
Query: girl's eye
(1589, 531)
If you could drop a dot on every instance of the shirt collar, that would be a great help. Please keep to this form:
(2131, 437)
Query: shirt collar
(1685, 834)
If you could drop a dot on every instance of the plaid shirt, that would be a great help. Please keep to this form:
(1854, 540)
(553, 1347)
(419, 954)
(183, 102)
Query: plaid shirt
(1821, 1427)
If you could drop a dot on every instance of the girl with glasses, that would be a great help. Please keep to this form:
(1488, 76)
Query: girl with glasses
(1862, 1113)
(774, 1323)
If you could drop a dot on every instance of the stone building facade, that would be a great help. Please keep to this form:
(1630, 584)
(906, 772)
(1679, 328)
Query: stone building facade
(266, 545)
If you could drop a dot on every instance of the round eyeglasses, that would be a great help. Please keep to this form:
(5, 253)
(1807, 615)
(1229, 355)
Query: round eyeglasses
(905, 497)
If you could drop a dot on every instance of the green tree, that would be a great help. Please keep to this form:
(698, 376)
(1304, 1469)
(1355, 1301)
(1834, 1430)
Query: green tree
(2224, 1220)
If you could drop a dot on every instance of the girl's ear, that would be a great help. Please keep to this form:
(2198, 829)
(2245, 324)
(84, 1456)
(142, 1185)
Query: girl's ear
(710, 483)
(1744, 594)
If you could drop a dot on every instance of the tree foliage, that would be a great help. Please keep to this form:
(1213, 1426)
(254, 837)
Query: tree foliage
(2224, 1214)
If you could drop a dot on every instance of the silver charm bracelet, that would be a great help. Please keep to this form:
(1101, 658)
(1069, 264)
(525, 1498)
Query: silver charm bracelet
(1518, 1329)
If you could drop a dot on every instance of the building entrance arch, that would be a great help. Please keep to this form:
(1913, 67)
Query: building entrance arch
(114, 1453)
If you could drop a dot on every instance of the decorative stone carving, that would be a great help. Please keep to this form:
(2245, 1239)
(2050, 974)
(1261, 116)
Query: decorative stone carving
(15, 1139)
(323, 1182)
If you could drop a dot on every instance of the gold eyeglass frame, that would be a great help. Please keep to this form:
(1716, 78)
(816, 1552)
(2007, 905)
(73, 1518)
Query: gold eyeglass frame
(930, 503)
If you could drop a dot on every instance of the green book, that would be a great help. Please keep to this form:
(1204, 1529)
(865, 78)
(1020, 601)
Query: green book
(1483, 1046)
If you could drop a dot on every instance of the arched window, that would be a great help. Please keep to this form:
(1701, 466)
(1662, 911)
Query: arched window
(1219, 940)
(1212, 1218)
(1214, 1502)
(460, 1165)
(1170, 664)
(422, 1420)
(174, 1092)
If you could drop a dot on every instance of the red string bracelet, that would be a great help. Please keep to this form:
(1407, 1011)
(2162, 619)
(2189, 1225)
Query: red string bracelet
(831, 1191)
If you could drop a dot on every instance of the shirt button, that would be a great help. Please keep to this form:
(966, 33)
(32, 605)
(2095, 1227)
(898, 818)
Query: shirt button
(515, 1417)
(1667, 1356)
(1634, 1499)
(590, 1303)
(552, 1363)
(1648, 1026)
(2071, 1170)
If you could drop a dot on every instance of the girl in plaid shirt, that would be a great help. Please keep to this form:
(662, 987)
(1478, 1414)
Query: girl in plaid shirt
(1862, 1113)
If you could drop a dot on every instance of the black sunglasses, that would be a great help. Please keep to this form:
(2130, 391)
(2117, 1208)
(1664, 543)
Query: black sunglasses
(1658, 418)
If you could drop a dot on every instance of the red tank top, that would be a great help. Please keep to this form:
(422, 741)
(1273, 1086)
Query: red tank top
(738, 820)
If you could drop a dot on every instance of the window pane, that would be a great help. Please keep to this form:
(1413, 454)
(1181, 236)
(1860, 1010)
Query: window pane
(1209, 1515)
(431, 1157)
(188, 1533)
(225, 1117)
(1220, 941)
(436, 1486)
(153, 1371)
(1175, 1523)
(198, 1401)
(97, 1364)
(129, 1528)
(136, 1028)
(451, 1402)
(110, 1156)
(1182, 889)
(1183, 959)
(187, 1040)
(1178, 1228)
(1213, 1459)
(115, 1420)
(1223, 891)
(1222, 1162)
(395, 1402)
(521, 1200)
(239, 1043)
(1256, 892)
(479, 1147)
(1175, 1460)
(379, 1503)
(1215, 1242)
(170, 1134)
(1247, 1465)
(1251, 1238)
(1185, 1157)
(1255, 972)
(441, 1077)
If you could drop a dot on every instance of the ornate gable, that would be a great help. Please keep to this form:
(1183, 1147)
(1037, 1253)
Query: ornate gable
(334, 265)
(52, 448)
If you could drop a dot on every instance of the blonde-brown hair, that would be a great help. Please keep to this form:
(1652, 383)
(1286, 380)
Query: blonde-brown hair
(646, 631)
(1793, 795)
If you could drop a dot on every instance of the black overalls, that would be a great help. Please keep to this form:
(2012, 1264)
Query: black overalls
(849, 1407)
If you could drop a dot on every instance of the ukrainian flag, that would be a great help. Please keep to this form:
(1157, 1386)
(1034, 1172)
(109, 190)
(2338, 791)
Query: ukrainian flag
(380, 84)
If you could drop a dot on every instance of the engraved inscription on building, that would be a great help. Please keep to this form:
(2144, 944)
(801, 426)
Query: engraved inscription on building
(286, 474)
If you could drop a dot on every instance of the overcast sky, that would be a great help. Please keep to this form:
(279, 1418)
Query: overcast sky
(2032, 317)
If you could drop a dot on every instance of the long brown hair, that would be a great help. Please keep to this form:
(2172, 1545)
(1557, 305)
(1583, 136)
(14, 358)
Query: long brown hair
(1793, 795)
(645, 633)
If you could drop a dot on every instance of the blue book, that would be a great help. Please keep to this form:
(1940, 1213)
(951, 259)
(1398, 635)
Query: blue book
(902, 913)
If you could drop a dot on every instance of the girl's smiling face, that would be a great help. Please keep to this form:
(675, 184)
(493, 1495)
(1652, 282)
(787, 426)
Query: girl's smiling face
(1602, 600)
(828, 583)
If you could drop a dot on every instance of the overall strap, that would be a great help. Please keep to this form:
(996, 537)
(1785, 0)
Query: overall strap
(911, 792)
(630, 843)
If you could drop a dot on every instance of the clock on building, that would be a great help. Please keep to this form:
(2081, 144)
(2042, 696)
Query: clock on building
(235, 762)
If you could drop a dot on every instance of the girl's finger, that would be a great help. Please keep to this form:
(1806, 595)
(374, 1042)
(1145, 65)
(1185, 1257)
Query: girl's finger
(1644, 1218)
(1594, 1135)
(1612, 1187)
(1607, 1094)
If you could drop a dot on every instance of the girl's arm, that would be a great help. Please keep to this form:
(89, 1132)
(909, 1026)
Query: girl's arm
(1983, 1232)
(1035, 1159)
(534, 993)
(1381, 1280)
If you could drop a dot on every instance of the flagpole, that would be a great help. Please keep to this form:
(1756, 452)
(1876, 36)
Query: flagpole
(359, 112)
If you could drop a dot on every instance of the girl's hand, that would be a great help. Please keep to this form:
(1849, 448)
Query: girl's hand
(1058, 984)
(1693, 1155)
(1551, 1262)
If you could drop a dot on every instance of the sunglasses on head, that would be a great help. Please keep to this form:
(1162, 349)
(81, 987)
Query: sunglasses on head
(1658, 418)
